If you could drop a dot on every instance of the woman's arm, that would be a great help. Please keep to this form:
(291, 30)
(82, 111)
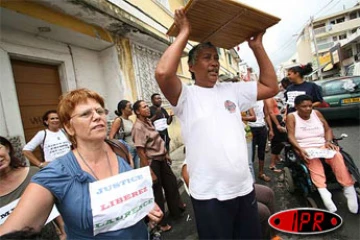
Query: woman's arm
(144, 161)
(28, 149)
(33, 159)
(32, 211)
(328, 132)
(250, 117)
(268, 120)
(114, 128)
(271, 105)
(61, 227)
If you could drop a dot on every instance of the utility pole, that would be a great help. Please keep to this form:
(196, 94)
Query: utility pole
(315, 46)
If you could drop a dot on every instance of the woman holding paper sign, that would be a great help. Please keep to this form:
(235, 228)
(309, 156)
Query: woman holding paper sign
(307, 129)
(14, 177)
(68, 181)
(152, 152)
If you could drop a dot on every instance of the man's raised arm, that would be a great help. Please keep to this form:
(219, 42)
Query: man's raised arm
(165, 72)
(268, 85)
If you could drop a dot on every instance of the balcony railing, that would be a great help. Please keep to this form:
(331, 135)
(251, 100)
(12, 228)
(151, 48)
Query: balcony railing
(325, 45)
(320, 30)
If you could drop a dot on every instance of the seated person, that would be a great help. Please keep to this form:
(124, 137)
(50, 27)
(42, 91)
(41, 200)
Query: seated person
(307, 128)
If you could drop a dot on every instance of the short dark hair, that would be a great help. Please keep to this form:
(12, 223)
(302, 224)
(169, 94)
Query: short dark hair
(136, 105)
(302, 69)
(194, 52)
(154, 95)
(46, 116)
(301, 98)
(285, 82)
(14, 161)
(121, 106)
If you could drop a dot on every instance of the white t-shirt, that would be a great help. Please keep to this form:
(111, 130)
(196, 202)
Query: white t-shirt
(214, 137)
(56, 144)
(260, 116)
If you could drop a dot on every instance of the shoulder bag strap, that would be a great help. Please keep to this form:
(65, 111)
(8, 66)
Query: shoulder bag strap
(42, 146)
(119, 148)
(122, 124)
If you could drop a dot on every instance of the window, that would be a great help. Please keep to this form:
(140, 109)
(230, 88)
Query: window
(319, 25)
(340, 86)
(357, 48)
(354, 30)
(342, 36)
(230, 60)
(338, 20)
(348, 53)
(353, 15)
(335, 38)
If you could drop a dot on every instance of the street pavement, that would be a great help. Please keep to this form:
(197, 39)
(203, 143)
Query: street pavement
(185, 227)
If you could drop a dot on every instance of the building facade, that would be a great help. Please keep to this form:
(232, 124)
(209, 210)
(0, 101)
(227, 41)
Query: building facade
(110, 46)
(331, 43)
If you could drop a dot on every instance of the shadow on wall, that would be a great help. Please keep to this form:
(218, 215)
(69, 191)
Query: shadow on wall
(16, 143)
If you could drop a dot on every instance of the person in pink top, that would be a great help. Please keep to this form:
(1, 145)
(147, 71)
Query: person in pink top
(307, 128)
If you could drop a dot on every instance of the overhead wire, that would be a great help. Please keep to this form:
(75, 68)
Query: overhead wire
(290, 41)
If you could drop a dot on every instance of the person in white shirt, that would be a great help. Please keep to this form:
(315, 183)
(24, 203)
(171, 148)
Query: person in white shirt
(259, 133)
(53, 141)
(221, 185)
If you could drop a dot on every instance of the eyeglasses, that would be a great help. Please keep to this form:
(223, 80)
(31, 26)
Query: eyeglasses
(90, 113)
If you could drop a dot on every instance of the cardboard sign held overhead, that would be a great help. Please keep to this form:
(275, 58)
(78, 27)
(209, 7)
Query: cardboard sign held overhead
(224, 23)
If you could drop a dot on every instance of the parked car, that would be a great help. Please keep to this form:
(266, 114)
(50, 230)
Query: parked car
(341, 97)
(353, 70)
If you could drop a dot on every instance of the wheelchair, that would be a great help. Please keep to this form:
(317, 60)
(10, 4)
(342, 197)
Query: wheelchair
(297, 176)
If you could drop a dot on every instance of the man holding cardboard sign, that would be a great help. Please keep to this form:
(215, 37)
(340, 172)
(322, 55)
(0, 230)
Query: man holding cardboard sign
(221, 184)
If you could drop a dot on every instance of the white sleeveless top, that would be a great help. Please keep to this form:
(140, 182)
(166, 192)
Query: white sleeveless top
(309, 133)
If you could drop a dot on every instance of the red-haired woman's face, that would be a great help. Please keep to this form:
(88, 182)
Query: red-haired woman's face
(88, 122)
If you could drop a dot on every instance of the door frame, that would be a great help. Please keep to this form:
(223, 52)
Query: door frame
(9, 108)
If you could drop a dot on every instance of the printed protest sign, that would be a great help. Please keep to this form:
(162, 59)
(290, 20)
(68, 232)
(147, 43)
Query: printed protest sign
(160, 124)
(320, 153)
(6, 210)
(122, 200)
(292, 95)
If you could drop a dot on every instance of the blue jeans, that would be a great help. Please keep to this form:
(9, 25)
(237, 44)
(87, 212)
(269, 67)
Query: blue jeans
(133, 153)
(135, 156)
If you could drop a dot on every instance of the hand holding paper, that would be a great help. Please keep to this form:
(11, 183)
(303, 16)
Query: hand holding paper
(156, 214)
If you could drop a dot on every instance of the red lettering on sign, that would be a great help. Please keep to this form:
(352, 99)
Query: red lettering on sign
(318, 219)
(127, 197)
(304, 219)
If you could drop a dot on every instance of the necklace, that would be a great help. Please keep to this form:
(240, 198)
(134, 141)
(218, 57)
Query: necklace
(93, 173)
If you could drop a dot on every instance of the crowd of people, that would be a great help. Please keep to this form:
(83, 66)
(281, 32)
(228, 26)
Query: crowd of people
(221, 124)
